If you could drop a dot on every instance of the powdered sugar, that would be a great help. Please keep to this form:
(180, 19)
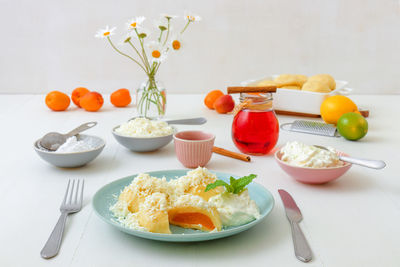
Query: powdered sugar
(74, 145)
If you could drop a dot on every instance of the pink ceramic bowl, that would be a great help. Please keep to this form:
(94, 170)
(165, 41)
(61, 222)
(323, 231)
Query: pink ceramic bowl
(309, 175)
(194, 148)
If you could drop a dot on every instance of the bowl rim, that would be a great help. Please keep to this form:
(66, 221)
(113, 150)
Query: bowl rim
(346, 164)
(70, 153)
(194, 141)
(143, 137)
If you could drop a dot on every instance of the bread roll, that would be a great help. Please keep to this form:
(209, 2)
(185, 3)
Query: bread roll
(315, 86)
(324, 78)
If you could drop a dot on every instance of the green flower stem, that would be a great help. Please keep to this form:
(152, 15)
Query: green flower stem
(151, 96)
(134, 47)
(116, 49)
(144, 51)
(168, 28)
(159, 37)
(187, 25)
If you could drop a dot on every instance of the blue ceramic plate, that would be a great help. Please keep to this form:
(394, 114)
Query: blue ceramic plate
(107, 196)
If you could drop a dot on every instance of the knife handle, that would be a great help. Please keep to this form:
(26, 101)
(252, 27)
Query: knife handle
(301, 248)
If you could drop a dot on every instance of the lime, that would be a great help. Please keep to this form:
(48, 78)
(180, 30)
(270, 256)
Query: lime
(352, 126)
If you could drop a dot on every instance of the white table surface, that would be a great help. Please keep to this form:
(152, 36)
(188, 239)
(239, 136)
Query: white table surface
(353, 221)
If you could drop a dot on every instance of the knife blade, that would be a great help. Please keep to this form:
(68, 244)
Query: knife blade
(301, 248)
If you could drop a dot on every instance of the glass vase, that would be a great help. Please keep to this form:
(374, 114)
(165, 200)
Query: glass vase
(151, 99)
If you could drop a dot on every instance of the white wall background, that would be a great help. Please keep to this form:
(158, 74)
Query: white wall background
(50, 45)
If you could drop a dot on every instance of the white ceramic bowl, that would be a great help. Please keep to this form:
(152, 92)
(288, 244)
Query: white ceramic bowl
(143, 144)
(72, 159)
(298, 100)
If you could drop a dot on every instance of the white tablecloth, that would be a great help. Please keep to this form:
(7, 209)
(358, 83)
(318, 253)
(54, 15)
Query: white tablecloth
(353, 221)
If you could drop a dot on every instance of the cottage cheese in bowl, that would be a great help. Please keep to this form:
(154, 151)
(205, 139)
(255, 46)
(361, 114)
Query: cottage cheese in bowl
(302, 155)
(142, 127)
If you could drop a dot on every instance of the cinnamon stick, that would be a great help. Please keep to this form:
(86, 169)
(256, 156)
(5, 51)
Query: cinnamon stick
(231, 154)
(299, 114)
(251, 89)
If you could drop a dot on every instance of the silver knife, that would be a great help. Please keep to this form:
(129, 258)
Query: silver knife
(301, 248)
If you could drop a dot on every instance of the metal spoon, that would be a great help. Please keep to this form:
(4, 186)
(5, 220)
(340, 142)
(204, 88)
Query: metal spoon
(374, 164)
(192, 121)
(52, 141)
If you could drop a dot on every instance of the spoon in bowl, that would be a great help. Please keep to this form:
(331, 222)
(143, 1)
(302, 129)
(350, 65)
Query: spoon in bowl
(52, 141)
(192, 121)
(374, 164)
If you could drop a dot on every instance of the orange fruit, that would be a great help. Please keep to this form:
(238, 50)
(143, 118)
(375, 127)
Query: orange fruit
(77, 94)
(333, 107)
(224, 104)
(211, 97)
(91, 101)
(57, 101)
(121, 98)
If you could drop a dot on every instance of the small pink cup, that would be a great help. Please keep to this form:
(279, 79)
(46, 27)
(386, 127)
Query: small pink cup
(194, 148)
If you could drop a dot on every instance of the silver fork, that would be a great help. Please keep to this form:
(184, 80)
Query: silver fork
(72, 203)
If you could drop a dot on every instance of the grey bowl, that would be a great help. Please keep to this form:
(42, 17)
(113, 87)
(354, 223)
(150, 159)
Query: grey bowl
(143, 144)
(72, 159)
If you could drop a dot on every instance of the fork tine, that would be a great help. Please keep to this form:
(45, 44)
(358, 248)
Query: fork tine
(71, 192)
(66, 193)
(81, 199)
(77, 191)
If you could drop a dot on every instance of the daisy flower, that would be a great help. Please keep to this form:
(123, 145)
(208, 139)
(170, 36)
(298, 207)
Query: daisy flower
(189, 16)
(106, 32)
(134, 23)
(156, 52)
(176, 43)
(168, 16)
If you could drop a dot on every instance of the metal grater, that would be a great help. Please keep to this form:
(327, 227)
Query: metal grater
(311, 127)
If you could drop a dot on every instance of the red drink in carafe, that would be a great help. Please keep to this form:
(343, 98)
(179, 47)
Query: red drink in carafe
(255, 131)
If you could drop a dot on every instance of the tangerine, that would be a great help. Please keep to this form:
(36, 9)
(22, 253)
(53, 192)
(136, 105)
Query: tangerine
(91, 101)
(57, 101)
(121, 98)
(211, 97)
(77, 94)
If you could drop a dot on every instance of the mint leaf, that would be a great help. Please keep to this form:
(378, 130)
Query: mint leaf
(216, 184)
(236, 186)
(242, 182)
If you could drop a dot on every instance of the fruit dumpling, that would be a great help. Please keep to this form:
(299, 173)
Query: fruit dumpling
(152, 204)
(235, 209)
(191, 211)
(195, 183)
(153, 213)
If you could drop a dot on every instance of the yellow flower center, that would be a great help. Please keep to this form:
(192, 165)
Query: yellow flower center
(176, 45)
(106, 33)
(156, 54)
(190, 18)
(133, 24)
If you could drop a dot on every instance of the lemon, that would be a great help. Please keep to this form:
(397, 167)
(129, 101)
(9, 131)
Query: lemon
(335, 106)
(352, 126)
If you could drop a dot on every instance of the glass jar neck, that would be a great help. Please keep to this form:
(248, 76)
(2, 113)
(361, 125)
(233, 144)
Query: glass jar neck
(256, 101)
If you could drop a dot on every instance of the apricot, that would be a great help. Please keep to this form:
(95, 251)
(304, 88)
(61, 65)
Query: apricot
(77, 94)
(57, 101)
(224, 104)
(211, 97)
(121, 98)
(91, 101)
